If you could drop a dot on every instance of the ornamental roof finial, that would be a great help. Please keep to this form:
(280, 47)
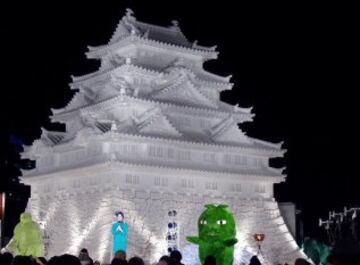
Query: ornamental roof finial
(129, 14)
(146, 34)
(113, 126)
(236, 107)
(175, 24)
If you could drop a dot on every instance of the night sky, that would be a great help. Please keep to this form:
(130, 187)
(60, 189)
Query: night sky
(295, 64)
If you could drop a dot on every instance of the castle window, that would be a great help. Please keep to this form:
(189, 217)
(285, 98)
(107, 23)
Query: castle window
(187, 183)
(159, 181)
(183, 155)
(260, 188)
(236, 187)
(211, 186)
(132, 179)
(209, 157)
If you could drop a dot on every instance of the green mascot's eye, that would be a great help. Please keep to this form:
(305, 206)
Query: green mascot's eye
(221, 222)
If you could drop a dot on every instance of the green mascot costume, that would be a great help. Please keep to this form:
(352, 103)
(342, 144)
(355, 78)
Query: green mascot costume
(27, 239)
(217, 234)
(316, 251)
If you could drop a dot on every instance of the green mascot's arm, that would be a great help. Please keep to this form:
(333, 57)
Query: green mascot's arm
(193, 239)
(324, 252)
(12, 245)
(230, 242)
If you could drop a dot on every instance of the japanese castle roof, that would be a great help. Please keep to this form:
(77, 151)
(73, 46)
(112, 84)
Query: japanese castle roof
(171, 36)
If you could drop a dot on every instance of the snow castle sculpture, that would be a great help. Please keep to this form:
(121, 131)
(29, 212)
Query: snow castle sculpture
(147, 134)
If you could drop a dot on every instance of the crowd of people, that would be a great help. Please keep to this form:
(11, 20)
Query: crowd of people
(120, 258)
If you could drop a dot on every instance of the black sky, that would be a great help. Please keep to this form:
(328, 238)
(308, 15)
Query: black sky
(296, 64)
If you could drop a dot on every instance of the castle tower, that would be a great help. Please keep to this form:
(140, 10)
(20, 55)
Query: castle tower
(148, 134)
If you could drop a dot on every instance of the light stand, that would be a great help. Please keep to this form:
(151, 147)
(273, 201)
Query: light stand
(259, 238)
(336, 222)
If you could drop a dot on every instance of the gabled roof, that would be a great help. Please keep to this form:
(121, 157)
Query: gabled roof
(130, 27)
(103, 50)
(184, 92)
(60, 115)
(212, 81)
(154, 122)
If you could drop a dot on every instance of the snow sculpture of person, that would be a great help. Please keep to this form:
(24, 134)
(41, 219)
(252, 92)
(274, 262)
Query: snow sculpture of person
(119, 231)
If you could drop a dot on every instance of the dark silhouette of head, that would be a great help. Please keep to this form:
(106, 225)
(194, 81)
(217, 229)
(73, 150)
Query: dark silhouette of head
(254, 261)
(67, 259)
(176, 256)
(301, 261)
(84, 250)
(136, 261)
(165, 260)
(22, 260)
(53, 260)
(116, 261)
(84, 257)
